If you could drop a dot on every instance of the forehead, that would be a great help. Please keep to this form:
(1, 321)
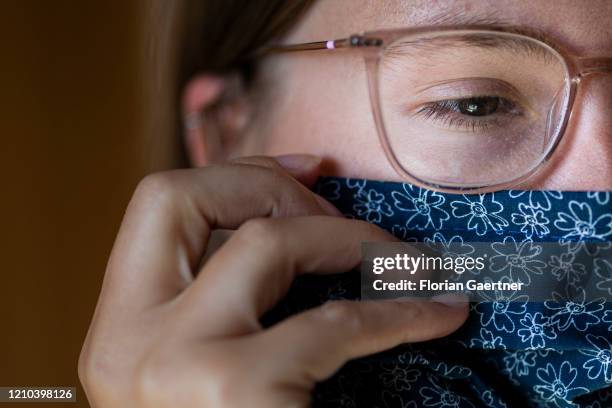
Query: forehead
(583, 27)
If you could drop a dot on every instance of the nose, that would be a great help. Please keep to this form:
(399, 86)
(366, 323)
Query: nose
(583, 160)
(593, 66)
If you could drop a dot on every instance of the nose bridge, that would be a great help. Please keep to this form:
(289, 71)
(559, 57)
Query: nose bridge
(593, 65)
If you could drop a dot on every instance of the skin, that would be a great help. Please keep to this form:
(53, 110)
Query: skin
(307, 116)
(170, 332)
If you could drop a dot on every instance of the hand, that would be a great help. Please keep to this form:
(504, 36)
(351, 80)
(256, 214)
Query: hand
(170, 332)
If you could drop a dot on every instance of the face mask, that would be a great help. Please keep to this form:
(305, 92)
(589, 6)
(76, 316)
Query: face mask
(507, 354)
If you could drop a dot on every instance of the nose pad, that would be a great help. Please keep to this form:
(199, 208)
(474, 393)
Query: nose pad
(590, 66)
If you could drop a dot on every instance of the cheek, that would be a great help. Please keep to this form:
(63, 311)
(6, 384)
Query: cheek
(322, 107)
(583, 160)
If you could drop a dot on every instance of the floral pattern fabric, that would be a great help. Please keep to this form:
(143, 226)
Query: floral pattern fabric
(510, 352)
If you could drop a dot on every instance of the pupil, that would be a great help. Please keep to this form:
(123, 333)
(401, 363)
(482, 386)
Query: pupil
(480, 106)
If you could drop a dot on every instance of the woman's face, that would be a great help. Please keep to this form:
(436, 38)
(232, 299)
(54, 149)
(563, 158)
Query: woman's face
(317, 102)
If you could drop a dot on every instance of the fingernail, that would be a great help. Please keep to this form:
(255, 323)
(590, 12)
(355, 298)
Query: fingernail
(298, 161)
(328, 207)
(451, 299)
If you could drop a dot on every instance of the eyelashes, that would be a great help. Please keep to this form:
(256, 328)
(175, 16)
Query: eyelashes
(475, 113)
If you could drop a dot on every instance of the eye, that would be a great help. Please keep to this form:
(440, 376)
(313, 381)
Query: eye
(472, 113)
(474, 106)
(480, 106)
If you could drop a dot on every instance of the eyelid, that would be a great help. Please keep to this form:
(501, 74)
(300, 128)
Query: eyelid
(462, 88)
(459, 124)
(485, 85)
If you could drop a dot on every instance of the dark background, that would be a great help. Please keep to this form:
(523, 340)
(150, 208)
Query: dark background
(71, 153)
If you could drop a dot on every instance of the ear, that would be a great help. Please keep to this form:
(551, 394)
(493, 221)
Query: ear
(214, 113)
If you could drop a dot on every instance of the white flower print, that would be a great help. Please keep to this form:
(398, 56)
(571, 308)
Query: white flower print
(329, 189)
(412, 358)
(396, 401)
(574, 310)
(501, 309)
(520, 362)
(372, 205)
(453, 247)
(488, 399)
(519, 260)
(557, 385)
(400, 377)
(589, 246)
(607, 318)
(423, 206)
(565, 269)
(538, 199)
(482, 211)
(359, 184)
(438, 396)
(487, 341)
(579, 223)
(402, 233)
(537, 330)
(532, 222)
(603, 270)
(453, 371)
(601, 363)
(602, 197)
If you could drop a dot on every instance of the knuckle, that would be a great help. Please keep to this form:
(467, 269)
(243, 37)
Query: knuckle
(411, 311)
(220, 381)
(161, 369)
(343, 313)
(220, 374)
(155, 182)
(154, 372)
(366, 226)
(157, 187)
(264, 232)
(373, 232)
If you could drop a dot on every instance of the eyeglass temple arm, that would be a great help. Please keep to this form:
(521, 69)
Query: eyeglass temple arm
(352, 41)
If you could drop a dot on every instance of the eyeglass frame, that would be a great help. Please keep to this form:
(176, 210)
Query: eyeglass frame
(372, 44)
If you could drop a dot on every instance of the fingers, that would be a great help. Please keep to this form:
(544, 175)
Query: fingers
(314, 344)
(255, 267)
(303, 167)
(168, 222)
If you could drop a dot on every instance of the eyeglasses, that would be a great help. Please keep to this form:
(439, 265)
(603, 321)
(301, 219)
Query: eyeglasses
(467, 109)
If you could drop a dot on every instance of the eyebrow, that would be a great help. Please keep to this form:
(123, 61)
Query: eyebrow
(490, 20)
(483, 41)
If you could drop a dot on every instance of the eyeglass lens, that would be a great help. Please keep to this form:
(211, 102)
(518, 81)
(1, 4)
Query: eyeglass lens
(471, 108)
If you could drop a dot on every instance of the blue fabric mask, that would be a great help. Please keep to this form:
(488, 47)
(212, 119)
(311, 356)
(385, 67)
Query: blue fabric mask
(524, 354)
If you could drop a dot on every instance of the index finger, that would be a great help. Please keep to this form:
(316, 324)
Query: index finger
(168, 222)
